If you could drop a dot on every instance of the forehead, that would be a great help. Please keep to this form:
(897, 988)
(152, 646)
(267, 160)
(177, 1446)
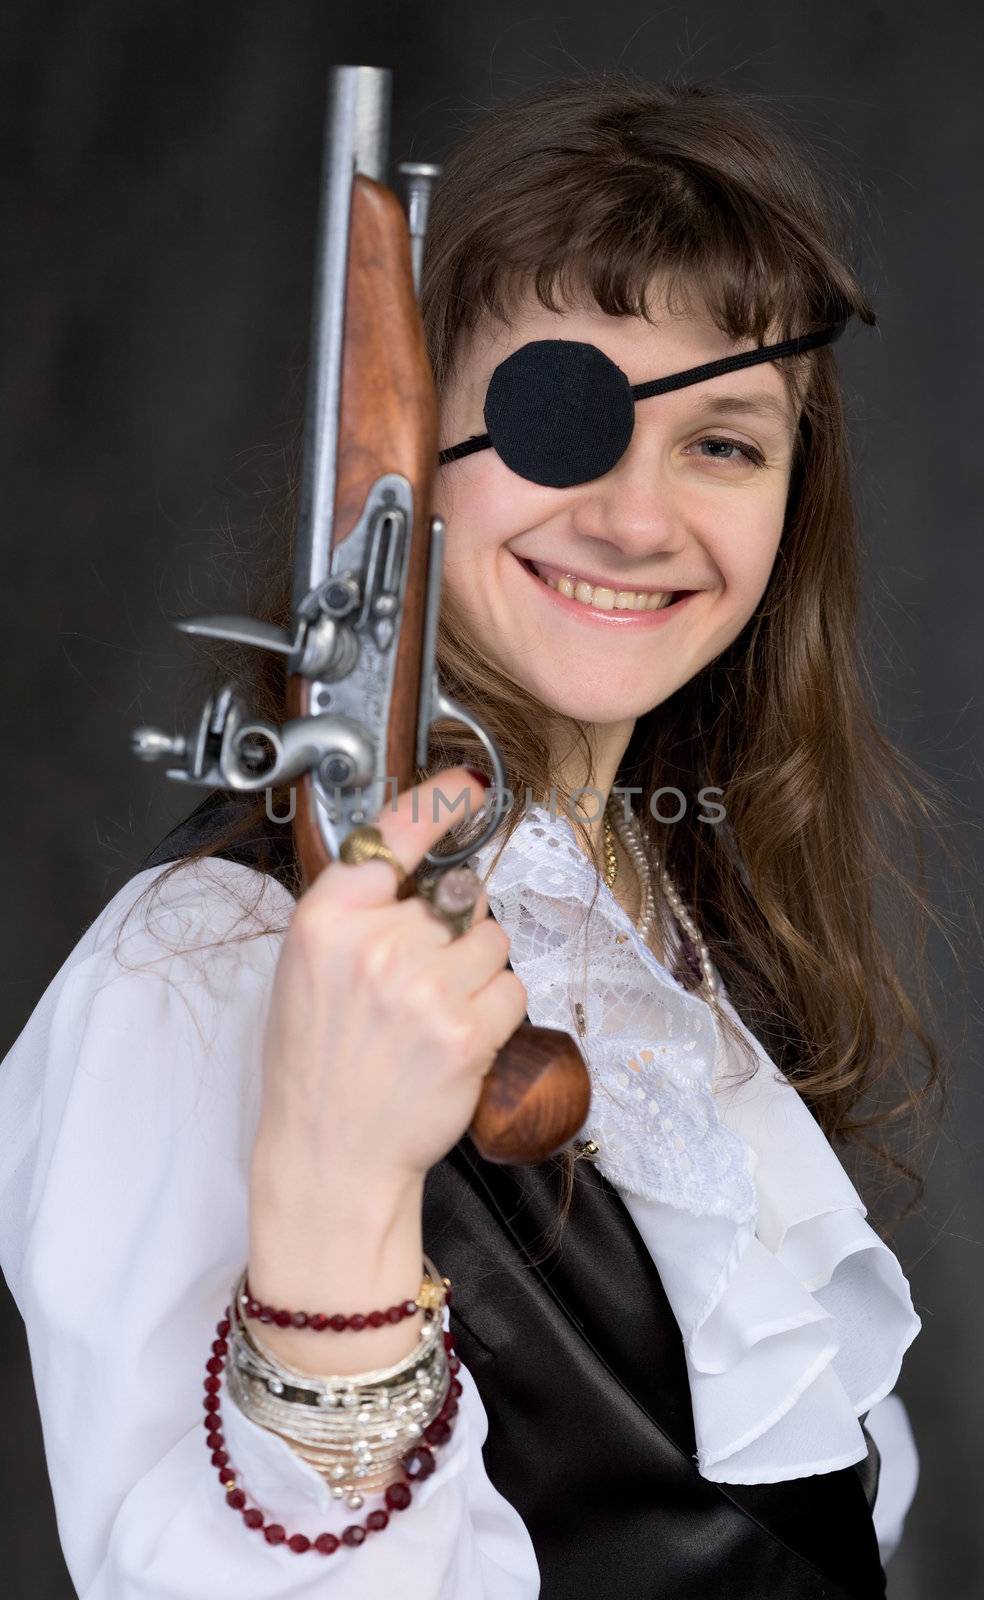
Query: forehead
(671, 342)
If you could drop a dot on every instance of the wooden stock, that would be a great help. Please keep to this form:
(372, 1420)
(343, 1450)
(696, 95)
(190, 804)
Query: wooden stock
(536, 1096)
(386, 378)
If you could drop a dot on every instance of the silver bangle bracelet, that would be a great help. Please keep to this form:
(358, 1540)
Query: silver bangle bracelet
(324, 1414)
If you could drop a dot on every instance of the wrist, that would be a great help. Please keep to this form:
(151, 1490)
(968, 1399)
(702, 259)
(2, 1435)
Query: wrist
(325, 1189)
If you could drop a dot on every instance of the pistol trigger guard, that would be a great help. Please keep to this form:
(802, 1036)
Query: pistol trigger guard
(441, 705)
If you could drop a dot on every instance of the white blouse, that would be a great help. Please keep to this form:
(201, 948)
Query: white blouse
(128, 1109)
(795, 1316)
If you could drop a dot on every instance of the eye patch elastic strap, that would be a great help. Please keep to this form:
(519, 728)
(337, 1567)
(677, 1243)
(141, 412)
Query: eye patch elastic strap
(560, 412)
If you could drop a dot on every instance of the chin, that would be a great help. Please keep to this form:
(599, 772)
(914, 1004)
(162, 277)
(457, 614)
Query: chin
(570, 699)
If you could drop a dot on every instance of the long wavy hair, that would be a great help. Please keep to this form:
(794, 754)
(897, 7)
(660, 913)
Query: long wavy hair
(815, 888)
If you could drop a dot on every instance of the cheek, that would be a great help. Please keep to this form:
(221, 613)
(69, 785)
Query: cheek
(484, 505)
(745, 554)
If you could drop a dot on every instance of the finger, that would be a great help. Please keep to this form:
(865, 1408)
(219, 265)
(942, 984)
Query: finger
(412, 826)
(472, 960)
(501, 1005)
(432, 942)
(433, 926)
(430, 931)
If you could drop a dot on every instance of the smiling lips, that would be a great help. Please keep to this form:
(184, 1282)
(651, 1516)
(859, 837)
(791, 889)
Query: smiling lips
(602, 597)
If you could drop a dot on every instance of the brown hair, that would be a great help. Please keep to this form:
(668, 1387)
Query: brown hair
(595, 187)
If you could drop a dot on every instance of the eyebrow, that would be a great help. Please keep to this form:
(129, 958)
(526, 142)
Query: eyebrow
(759, 403)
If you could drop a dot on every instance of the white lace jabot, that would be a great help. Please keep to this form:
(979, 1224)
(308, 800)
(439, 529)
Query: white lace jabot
(794, 1315)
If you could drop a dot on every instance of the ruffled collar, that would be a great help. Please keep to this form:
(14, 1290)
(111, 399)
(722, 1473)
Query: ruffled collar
(795, 1316)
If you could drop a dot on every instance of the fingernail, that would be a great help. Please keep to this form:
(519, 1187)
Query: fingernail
(479, 777)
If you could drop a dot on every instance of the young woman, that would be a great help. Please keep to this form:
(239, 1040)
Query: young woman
(666, 1341)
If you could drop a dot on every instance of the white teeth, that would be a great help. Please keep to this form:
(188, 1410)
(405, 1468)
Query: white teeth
(605, 599)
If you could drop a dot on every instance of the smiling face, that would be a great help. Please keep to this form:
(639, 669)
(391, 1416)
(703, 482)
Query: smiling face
(695, 504)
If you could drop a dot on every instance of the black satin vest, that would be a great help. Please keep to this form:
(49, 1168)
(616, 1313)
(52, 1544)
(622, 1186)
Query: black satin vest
(579, 1362)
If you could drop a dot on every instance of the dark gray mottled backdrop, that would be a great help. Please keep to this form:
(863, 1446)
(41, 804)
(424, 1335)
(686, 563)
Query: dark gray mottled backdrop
(162, 164)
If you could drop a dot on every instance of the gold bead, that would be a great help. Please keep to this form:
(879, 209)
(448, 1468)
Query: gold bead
(431, 1295)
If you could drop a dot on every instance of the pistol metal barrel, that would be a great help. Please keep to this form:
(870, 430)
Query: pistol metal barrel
(357, 132)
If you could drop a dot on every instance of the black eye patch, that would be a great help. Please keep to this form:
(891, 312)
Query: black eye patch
(560, 413)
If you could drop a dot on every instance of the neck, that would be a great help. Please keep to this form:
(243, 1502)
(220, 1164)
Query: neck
(608, 742)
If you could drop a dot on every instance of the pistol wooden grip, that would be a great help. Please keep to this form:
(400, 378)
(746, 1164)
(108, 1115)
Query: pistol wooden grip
(534, 1099)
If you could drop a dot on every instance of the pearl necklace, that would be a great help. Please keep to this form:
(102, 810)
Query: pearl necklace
(695, 959)
(694, 962)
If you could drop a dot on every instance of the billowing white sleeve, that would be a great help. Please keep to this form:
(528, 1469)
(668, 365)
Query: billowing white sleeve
(128, 1109)
(889, 1426)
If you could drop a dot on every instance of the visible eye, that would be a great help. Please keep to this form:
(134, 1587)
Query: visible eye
(748, 451)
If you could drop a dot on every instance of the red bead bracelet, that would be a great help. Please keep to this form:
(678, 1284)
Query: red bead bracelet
(429, 1295)
(418, 1463)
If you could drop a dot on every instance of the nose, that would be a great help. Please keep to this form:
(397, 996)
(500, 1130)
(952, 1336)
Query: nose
(634, 510)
